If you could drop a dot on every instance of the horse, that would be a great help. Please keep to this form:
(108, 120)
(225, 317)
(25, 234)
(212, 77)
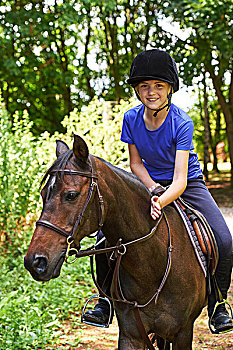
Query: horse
(71, 208)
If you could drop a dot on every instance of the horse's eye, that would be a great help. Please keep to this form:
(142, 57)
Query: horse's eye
(71, 196)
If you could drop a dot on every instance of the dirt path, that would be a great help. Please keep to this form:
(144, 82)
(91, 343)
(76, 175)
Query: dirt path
(87, 337)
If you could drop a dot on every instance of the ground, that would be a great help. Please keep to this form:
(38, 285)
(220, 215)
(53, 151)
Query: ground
(87, 337)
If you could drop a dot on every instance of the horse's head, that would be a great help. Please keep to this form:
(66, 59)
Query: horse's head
(68, 195)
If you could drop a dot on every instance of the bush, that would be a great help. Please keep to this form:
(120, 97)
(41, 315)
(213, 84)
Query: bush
(101, 129)
(23, 160)
(18, 168)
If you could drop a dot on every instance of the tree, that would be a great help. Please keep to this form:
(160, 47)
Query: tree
(36, 63)
(57, 57)
(206, 131)
(208, 46)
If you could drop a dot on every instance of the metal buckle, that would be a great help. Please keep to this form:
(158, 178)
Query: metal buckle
(70, 251)
(97, 297)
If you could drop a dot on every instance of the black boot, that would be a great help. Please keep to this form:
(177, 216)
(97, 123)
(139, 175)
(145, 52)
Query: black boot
(101, 313)
(219, 317)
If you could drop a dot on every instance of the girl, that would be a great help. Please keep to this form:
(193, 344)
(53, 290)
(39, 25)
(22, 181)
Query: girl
(159, 136)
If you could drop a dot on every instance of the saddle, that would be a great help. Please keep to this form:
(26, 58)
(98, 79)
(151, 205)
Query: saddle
(199, 232)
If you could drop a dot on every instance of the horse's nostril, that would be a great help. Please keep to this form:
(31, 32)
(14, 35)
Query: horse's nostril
(40, 263)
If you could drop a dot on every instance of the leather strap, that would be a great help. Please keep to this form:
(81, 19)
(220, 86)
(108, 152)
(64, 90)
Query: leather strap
(53, 227)
(75, 172)
(158, 190)
(142, 330)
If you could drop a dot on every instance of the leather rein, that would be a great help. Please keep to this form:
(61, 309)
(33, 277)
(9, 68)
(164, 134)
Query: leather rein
(117, 251)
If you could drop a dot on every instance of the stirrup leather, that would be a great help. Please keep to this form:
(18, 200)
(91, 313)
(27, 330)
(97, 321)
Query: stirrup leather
(214, 331)
(97, 297)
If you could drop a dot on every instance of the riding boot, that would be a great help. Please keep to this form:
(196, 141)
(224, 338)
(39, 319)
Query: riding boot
(219, 317)
(101, 313)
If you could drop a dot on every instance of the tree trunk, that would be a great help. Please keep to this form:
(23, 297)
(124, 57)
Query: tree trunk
(228, 115)
(206, 131)
(216, 140)
(85, 66)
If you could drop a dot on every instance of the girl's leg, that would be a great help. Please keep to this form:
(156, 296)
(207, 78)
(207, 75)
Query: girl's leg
(100, 314)
(200, 198)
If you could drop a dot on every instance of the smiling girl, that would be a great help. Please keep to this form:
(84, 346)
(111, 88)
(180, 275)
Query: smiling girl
(159, 136)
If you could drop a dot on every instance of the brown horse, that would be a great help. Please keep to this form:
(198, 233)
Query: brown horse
(71, 207)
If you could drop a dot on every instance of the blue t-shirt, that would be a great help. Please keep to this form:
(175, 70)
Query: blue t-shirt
(157, 148)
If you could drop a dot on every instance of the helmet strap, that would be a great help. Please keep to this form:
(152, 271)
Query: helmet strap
(168, 105)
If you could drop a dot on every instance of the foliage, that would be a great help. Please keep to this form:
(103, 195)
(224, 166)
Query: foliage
(100, 125)
(23, 160)
(36, 60)
(58, 55)
(208, 29)
(18, 165)
(216, 123)
(30, 313)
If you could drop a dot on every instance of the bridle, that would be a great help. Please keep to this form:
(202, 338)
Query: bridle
(118, 250)
(93, 188)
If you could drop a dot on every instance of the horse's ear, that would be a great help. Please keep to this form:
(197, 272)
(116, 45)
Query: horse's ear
(61, 147)
(80, 149)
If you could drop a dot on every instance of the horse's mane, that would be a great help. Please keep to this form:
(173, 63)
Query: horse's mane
(63, 161)
(131, 179)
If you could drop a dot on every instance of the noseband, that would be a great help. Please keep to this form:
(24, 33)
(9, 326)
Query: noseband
(93, 188)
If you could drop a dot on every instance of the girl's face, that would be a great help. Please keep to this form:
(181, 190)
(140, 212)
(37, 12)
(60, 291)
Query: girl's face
(153, 93)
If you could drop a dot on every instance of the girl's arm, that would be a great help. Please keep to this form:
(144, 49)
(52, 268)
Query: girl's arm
(177, 187)
(138, 168)
(179, 181)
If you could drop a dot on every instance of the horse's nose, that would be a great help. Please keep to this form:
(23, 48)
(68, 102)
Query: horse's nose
(38, 264)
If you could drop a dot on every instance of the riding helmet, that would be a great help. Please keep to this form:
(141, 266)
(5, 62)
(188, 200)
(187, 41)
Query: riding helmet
(154, 64)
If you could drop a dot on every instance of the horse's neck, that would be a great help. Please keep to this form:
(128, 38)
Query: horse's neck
(127, 207)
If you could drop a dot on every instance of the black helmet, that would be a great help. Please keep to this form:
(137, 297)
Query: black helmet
(154, 64)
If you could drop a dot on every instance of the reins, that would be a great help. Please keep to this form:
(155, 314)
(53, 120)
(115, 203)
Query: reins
(116, 279)
(117, 251)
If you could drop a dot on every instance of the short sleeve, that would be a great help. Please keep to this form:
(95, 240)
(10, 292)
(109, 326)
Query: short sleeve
(126, 135)
(185, 136)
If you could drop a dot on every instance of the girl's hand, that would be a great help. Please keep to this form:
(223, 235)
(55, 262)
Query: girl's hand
(155, 207)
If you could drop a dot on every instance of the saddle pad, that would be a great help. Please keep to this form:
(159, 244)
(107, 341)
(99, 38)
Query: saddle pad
(194, 240)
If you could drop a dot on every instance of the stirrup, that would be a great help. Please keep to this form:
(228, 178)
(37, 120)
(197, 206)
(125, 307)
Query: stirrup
(214, 331)
(98, 297)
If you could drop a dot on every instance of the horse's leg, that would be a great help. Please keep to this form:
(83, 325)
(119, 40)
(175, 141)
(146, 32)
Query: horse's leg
(162, 344)
(184, 339)
(127, 343)
(167, 345)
